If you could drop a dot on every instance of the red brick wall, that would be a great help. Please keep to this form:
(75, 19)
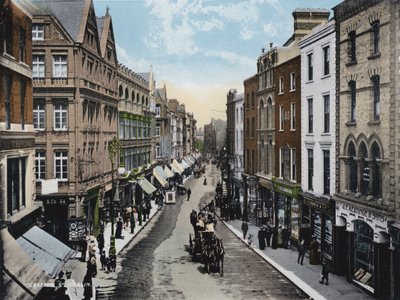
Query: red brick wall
(250, 111)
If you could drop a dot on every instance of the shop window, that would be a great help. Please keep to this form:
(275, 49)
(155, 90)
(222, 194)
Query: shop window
(363, 253)
(327, 246)
(16, 184)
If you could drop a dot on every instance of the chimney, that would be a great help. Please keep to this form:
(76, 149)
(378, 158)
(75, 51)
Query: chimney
(262, 50)
(305, 19)
(271, 45)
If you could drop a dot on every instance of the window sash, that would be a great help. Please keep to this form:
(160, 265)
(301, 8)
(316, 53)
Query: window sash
(327, 174)
(293, 116)
(40, 165)
(326, 60)
(292, 82)
(293, 164)
(281, 117)
(61, 165)
(326, 113)
(60, 117)
(38, 115)
(310, 168)
(310, 115)
(352, 101)
(38, 66)
(59, 66)
(37, 32)
(310, 67)
(377, 101)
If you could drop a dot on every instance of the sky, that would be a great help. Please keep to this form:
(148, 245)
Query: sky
(200, 49)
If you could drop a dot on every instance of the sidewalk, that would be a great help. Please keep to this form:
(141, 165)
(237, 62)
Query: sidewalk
(304, 276)
(78, 268)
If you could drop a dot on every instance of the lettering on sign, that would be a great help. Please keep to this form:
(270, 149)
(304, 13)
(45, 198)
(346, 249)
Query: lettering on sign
(56, 201)
(363, 212)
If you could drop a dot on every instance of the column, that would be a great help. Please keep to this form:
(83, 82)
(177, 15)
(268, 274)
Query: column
(350, 256)
(339, 252)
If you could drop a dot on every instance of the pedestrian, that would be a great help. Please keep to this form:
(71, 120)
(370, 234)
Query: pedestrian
(193, 218)
(324, 272)
(84, 249)
(189, 192)
(108, 264)
(100, 241)
(275, 238)
(87, 287)
(118, 231)
(92, 248)
(103, 260)
(132, 221)
(285, 237)
(245, 228)
(302, 251)
(268, 234)
(261, 239)
(113, 262)
(280, 237)
(205, 181)
(91, 266)
(314, 255)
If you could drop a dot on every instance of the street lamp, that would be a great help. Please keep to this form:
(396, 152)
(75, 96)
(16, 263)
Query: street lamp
(113, 150)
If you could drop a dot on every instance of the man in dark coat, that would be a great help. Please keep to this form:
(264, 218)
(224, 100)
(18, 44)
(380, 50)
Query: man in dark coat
(245, 228)
(100, 241)
(324, 272)
(302, 251)
(268, 234)
(275, 238)
(189, 192)
(285, 237)
(87, 286)
(118, 231)
(261, 239)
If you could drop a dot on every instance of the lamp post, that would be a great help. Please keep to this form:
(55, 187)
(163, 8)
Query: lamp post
(113, 149)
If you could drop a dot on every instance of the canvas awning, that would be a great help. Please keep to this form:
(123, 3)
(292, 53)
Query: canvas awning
(177, 167)
(187, 159)
(48, 252)
(18, 272)
(168, 172)
(158, 174)
(147, 186)
(184, 164)
(191, 158)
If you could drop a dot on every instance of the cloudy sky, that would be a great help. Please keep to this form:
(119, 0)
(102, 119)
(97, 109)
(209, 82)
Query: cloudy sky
(200, 48)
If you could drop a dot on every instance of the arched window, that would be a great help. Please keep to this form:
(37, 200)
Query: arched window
(352, 179)
(376, 171)
(261, 115)
(133, 96)
(363, 253)
(137, 98)
(269, 113)
(142, 100)
(364, 168)
(121, 92)
(126, 94)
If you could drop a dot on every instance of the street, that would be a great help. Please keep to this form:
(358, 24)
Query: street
(157, 265)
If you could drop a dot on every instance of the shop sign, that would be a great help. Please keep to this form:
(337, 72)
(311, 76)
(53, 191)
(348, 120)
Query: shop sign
(315, 204)
(76, 229)
(8, 144)
(55, 201)
(286, 190)
(361, 212)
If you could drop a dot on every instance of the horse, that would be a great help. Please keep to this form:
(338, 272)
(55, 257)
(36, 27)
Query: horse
(208, 256)
(219, 256)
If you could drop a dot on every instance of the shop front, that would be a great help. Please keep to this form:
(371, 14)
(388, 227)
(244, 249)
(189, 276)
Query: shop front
(287, 208)
(367, 250)
(265, 211)
(91, 206)
(317, 219)
(55, 216)
(394, 230)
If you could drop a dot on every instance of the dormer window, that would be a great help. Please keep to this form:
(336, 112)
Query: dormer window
(37, 32)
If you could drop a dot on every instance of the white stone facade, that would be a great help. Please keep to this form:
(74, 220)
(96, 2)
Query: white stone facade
(321, 137)
(239, 135)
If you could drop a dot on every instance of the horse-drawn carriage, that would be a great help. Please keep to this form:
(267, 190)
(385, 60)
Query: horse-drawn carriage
(198, 170)
(206, 245)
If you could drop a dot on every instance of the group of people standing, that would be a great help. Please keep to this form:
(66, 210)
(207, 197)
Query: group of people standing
(270, 236)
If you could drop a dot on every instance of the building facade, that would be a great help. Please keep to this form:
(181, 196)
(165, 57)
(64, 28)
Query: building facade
(318, 134)
(162, 147)
(210, 141)
(238, 150)
(365, 199)
(75, 116)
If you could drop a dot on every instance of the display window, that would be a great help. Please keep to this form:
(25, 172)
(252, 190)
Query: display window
(363, 253)
(294, 219)
(327, 246)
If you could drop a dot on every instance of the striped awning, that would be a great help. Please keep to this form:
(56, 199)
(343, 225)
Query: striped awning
(177, 167)
(159, 176)
(168, 172)
(147, 186)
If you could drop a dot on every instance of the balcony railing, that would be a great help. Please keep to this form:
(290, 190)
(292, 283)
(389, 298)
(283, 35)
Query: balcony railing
(53, 81)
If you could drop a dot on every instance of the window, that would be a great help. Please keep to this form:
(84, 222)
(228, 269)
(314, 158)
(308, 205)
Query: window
(38, 114)
(281, 118)
(38, 66)
(376, 190)
(61, 165)
(37, 32)
(158, 109)
(280, 85)
(8, 85)
(60, 66)
(293, 164)
(352, 87)
(375, 37)
(40, 165)
(22, 88)
(327, 172)
(310, 115)
(16, 184)
(326, 113)
(158, 129)
(292, 116)
(253, 129)
(22, 37)
(326, 60)
(292, 82)
(241, 114)
(352, 168)
(310, 156)
(377, 97)
(247, 128)
(60, 116)
(121, 128)
(310, 66)
(237, 115)
(352, 46)
(247, 100)
(158, 151)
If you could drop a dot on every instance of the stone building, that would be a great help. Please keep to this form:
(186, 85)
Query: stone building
(238, 148)
(162, 147)
(177, 114)
(134, 127)
(366, 198)
(75, 113)
(250, 147)
(230, 141)
(318, 137)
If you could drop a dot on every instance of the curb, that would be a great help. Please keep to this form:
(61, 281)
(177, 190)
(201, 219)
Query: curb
(300, 284)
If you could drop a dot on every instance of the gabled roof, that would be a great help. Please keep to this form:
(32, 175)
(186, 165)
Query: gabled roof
(162, 93)
(100, 21)
(68, 12)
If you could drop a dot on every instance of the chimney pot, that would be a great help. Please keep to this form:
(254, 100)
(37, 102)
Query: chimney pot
(271, 45)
